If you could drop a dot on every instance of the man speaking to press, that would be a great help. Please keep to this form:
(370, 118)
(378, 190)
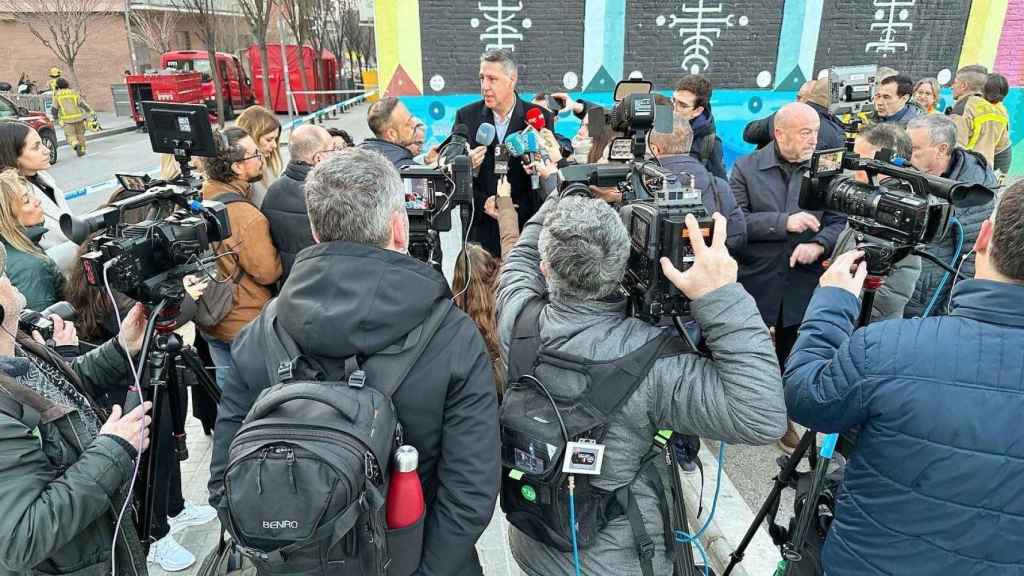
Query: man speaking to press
(502, 108)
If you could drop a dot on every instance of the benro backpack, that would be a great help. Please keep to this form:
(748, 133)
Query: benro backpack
(308, 470)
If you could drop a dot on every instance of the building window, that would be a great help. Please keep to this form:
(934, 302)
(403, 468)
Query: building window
(184, 40)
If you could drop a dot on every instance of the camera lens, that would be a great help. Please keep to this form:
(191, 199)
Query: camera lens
(853, 198)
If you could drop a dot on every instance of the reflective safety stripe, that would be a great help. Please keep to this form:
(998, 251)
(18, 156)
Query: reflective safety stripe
(68, 103)
(979, 121)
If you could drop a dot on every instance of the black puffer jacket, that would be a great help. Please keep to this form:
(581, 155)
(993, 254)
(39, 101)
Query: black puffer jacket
(966, 166)
(285, 209)
(348, 299)
(397, 155)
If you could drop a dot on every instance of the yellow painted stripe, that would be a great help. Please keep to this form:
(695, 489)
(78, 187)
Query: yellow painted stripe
(397, 31)
(984, 28)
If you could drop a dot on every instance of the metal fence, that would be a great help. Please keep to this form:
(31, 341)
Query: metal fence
(33, 102)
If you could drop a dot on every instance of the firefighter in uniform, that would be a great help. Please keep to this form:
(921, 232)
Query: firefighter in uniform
(54, 76)
(72, 113)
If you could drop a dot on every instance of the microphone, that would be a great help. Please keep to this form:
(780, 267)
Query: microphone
(535, 118)
(456, 144)
(532, 149)
(485, 134)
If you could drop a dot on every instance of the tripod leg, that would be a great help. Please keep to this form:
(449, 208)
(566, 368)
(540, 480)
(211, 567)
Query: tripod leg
(781, 481)
(684, 562)
(192, 362)
(157, 395)
(176, 403)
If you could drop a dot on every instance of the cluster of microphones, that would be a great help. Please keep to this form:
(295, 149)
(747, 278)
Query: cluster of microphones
(525, 144)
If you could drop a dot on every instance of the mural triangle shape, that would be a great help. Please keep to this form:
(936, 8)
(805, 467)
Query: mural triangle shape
(401, 84)
(601, 82)
(793, 81)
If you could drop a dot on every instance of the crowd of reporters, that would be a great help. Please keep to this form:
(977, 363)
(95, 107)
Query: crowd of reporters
(326, 235)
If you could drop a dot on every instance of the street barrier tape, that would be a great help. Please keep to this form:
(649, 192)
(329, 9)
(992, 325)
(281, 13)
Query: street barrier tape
(108, 185)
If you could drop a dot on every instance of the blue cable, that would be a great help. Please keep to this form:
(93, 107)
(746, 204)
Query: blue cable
(572, 525)
(685, 538)
(945, 277)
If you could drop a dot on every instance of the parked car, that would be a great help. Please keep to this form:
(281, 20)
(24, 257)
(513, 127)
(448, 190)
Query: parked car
(38, 120)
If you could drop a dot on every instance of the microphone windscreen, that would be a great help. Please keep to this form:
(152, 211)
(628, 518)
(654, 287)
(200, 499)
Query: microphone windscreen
(485, 134)
(535, 118)
(532, 143)
(515, 144)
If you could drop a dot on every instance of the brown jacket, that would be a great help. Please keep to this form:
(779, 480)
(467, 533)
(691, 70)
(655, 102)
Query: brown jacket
(254, 252)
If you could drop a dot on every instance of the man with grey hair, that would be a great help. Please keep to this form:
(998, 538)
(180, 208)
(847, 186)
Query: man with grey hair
(935, 151)
(500, 106)
(285, 203)
(572, 256)
(357, 293)
(673, 153)
(394, 131)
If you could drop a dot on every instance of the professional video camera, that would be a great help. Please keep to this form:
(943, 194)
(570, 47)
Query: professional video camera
(430, 195)
(853, 89)
(147, 261)
(634, 114)
(909, 209)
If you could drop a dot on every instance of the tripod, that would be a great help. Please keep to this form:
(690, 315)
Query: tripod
(164, 354)
(881, 257)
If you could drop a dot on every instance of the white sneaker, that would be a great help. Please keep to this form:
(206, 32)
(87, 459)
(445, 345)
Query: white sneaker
(171, 556)
(191, 515)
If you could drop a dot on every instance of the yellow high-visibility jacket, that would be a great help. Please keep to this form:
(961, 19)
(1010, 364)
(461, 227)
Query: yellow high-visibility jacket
(983, 127)
(70, 106)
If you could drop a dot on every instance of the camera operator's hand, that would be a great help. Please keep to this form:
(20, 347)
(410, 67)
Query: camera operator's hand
(610, 194)
(801, 222)
(846, 272)
(132, 427)
(64, 333)
(808, 253)
(491, 207)
(432, 156)
(476, 156)
(195, 286)
(133, 329)
(567, 102)
(712, 268)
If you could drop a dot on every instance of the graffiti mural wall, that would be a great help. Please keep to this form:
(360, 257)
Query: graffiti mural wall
(756, 52)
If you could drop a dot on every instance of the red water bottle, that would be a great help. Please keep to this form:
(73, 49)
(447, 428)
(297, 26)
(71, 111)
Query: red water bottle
(405, 493)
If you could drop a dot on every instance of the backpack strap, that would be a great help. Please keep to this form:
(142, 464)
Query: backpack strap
(26, 405)
(607, 390)
(525, 346)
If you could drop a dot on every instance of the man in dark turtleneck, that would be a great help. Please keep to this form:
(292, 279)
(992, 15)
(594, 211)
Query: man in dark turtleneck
(781, 263)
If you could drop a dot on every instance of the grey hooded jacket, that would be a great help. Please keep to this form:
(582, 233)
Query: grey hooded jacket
(736, 398)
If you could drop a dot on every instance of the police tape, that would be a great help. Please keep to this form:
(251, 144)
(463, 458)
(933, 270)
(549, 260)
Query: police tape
(110, 185)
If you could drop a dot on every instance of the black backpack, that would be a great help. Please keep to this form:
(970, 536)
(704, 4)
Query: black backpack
(307, 472)
(537, 424)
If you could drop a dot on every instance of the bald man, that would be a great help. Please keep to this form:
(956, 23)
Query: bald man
(781, 262)
(285, 203)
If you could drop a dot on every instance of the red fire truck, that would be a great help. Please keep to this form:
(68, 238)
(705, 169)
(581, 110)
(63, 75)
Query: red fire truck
(164, 86)
(235, 84)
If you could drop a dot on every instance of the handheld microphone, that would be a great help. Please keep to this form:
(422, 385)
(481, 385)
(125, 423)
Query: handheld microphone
(535, 118)
(532, 149)
(485, 134)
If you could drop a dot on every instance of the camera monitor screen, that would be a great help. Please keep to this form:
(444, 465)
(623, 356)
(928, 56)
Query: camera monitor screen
(179, 127)
(827, 163)
(419, 194)
(133, 183)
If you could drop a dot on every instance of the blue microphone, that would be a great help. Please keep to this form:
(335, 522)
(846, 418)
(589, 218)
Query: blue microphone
(485, 134)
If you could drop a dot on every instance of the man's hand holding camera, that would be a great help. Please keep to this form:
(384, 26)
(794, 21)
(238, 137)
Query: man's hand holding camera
(712, 268)
(847, 272)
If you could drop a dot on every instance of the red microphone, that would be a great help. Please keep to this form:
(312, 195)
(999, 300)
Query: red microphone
(535, 118)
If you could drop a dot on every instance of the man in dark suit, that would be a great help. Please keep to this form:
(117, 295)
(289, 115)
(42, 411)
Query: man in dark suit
(501, 107)
(782, 260)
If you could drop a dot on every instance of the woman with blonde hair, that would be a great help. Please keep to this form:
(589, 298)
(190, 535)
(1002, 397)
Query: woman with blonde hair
(926, 95)
(29, 268)
(265, 129)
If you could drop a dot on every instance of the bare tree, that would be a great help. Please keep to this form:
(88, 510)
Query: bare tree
(156, 30)
(60, 25)
(202, 18)
(338, 15)
(319, 38)
(257, 14)
(353, 39)
(296, 16)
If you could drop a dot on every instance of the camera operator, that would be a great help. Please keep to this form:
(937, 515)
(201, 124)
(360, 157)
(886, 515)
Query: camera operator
(818, 95)
(892, 297)
(356, 293)
(394, 130)
(935, 151)
(673, 153)
(501, 107)
(573, 254)
(931, 487)
(64, 464)
(285, 203)
(248, 257)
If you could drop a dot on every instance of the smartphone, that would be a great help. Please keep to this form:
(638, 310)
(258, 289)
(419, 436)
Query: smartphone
(553, 104)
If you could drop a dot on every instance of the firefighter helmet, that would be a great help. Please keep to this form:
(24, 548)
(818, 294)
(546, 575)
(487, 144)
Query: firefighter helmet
(54, 72)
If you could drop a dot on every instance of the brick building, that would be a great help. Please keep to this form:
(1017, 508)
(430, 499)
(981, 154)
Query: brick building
(105, 57)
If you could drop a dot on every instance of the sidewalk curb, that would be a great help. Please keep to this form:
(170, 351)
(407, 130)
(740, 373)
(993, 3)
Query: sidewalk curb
(100, 135)
(732, 518)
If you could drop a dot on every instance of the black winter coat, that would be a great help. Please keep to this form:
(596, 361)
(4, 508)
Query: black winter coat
(761, 189)
(831, 134)
(285, 209)
(400, 156)
(965, 166)
(707, 147)
(348, 299)
(484, 229)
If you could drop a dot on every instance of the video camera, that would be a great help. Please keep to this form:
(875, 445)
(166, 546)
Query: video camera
(909, 209)
(147, 261)
(430, 195)
(634, 114)
(852, 89)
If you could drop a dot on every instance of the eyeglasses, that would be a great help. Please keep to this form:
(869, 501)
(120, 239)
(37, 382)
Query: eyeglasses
(258, 154)
(680, 105)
